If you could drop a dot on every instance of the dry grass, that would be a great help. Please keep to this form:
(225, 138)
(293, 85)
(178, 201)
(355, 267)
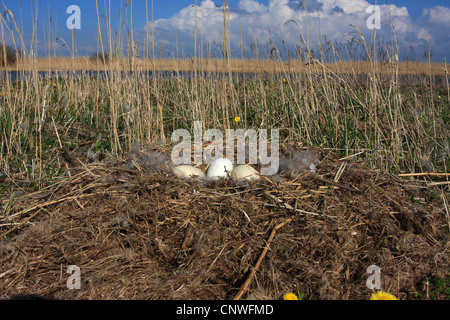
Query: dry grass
(218, 65)
(150, 236)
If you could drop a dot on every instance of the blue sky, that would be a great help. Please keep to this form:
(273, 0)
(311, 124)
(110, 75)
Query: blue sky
(261, 21)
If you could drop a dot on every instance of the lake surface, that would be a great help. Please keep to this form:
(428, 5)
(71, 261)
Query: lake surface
(17, 76)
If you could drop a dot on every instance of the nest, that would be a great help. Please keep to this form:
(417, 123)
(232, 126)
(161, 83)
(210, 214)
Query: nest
(140, 235)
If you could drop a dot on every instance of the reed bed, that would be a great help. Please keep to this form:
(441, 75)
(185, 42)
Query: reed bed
(400, 125)
(393, 114)
(247, 65)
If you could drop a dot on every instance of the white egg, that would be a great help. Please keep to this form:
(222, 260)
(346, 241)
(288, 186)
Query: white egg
(187, 171)
(246, 172)
(219, 168)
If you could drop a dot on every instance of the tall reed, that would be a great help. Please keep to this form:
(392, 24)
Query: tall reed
(350, 107)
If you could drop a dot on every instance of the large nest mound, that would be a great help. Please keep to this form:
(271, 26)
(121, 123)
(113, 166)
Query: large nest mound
(140, 235)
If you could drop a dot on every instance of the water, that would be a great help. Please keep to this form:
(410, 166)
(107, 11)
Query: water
(17, 76)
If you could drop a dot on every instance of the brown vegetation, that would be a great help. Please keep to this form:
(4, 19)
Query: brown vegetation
(154, 236)
(218, 65)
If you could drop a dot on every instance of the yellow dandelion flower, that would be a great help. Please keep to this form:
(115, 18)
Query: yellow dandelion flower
(237, 119)
(290, 296)
(381, 295)
(439, 97)
(284, 80)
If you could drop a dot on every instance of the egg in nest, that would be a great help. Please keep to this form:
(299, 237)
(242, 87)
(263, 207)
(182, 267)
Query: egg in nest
(219, 168)
(244, 172)
(186, 171)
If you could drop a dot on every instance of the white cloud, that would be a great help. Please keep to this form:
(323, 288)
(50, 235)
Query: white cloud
(423, 34)
(252, 6)
(438, 15)
(434, 24)
(269, 22)
(350, 6)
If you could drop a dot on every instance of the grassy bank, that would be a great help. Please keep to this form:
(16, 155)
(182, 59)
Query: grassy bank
(385, 117)
(395, 126)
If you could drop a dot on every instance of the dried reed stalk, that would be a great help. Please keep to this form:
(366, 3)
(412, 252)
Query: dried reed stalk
(261, 257)
(436, 174)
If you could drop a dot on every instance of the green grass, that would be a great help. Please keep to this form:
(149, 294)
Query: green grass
(439, 288)
(436, 288)
(397, 129)
(394, 126)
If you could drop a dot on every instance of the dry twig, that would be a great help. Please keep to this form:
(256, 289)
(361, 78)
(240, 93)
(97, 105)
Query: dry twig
(261, 257)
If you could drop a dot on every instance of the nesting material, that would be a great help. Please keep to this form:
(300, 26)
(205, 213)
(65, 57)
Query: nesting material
(187, 171)
(150, 159)
(244, 172)
(170, 239)
(220, 168)
(295, 162)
